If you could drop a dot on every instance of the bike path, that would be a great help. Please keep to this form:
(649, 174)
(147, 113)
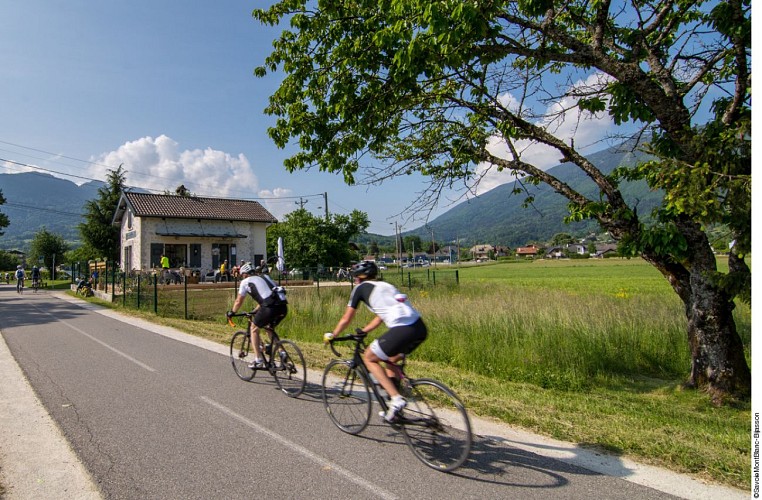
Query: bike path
(209, 430)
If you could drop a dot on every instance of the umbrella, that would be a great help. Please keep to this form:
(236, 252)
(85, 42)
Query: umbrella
(281, 265)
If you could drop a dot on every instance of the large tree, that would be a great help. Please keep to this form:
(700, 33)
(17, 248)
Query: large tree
(48, 248)
(97, 231)
(445, 87)
(310, 241)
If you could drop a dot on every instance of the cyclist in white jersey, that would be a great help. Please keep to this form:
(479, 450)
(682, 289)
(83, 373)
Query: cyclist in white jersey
(272, 305)
(406, 328)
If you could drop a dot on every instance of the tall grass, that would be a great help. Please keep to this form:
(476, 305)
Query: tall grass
(557, 326)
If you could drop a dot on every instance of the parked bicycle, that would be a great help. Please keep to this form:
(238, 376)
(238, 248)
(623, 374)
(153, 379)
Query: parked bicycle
(282, 358)
(434, 423)
(343, 275)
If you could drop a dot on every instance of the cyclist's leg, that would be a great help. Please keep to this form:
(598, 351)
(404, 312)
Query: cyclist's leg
(255, 341)
(389, 348)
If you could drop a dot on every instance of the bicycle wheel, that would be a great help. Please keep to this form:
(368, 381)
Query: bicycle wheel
(290, 370)
(435, 425)
(346, 396)
(240, 347)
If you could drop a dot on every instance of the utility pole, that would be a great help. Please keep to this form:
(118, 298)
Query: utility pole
(325, 200)
(301, 202)
(433, 248)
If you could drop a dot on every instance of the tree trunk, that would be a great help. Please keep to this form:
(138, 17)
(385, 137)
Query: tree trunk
(718, 364)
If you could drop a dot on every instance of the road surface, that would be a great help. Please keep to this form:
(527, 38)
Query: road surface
(142, 411)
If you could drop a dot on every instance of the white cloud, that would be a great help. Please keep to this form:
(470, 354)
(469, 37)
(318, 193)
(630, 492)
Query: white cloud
(587, 130)
(159, 164)
(278, 201)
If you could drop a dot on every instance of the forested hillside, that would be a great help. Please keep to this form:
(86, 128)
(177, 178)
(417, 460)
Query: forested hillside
(497, 217)
(34, 200)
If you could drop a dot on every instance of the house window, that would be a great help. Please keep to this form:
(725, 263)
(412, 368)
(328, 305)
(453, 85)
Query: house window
(177, 255)
(127, 260)
(156, 250)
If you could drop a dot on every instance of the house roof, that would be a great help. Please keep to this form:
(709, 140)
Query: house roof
(191, 207)
(530, 250)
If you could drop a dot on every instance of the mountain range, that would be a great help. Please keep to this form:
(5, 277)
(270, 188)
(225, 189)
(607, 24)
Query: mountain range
(35, 200)
(497, 217)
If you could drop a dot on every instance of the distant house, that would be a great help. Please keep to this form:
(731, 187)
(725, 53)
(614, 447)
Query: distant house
(501, 251)
(555, 253)
(530, 251)
(603, 249)
(195, 233)
(577, 248)
(481, 251)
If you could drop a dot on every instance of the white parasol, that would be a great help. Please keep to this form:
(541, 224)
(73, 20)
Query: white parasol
(281, 265)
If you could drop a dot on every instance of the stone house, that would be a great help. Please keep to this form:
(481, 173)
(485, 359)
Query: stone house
(195, 233)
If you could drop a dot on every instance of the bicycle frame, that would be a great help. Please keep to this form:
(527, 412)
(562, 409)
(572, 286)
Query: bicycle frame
(283, 360)
(274, 338)
(434, 422)
(357, 362)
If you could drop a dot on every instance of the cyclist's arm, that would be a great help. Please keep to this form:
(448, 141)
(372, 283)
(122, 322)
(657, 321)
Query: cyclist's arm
(374, 323)
(238, 303)
(345, 320)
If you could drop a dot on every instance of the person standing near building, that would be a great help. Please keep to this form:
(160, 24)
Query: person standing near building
(164, 268)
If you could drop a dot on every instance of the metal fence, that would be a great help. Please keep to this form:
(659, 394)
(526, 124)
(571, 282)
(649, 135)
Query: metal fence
(178, 296)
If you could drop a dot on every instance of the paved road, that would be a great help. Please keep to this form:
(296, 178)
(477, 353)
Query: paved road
(163, 416)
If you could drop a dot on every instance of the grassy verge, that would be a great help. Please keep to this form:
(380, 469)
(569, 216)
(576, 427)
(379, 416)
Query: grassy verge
(591, 353)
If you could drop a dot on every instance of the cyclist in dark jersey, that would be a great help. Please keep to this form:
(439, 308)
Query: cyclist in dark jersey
(406, 328)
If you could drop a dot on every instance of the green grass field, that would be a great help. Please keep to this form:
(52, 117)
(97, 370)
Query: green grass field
(587, 351)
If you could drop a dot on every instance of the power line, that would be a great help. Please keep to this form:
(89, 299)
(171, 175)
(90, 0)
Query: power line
(35, 167)
(131, 172)
(43, 209)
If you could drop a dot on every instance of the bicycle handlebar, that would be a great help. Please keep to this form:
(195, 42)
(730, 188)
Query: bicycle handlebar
(358, 336)
(249, 315)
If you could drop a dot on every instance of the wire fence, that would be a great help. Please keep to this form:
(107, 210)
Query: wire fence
(173, 294)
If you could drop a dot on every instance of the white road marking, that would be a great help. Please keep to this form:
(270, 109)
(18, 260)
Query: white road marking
(373, 488)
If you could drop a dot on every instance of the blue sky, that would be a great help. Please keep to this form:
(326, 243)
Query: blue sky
(166, 87)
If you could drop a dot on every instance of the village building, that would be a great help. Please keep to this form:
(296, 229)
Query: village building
(195, 233)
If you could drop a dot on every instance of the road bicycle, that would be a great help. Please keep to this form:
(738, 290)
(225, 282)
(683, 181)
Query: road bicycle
(35, 285)
(434, 423)
(282, 358)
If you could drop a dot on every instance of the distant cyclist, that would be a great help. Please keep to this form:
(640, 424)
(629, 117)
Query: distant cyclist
(391, 307)
(20, 277)
(271, 298)
(35, 276)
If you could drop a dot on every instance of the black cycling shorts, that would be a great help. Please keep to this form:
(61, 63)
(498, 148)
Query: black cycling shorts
(270, 315)
(402, 339)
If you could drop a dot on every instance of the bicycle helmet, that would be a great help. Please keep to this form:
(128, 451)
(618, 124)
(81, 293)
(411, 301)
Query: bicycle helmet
(365, 269)
(246, 269)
